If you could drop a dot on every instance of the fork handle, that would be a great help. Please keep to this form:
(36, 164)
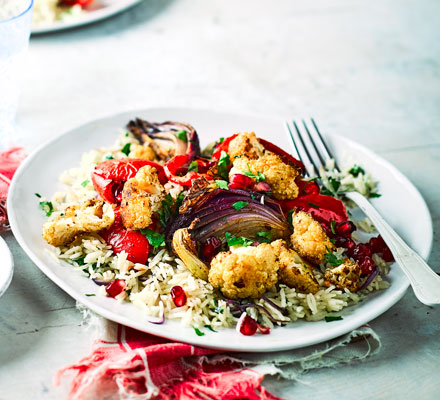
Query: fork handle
(424, 281)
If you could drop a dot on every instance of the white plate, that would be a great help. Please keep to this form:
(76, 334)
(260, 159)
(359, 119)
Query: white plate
(6, 266)
(39, 173)
(98, 10)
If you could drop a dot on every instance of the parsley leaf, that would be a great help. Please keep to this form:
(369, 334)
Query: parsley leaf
(181, 135)
(290, 215)
(223, 164)
(166, 211)
(85, 183)
(335, 184)
(332, 259)
(313, 204)
(126, 149)
(372, 194)
(47, 207)
(258, 177)
(210, 328)
(332, 226)
(38, 195)
(110, 157)
(156, 239)
(221, 140)
(222, 184)
(330, 318)
(237, 241)
(264, 236)
(126, 134)
(356, 170)
(198, 332)
(239, 205)
(90, 294)
(179, 200)
(193, 166)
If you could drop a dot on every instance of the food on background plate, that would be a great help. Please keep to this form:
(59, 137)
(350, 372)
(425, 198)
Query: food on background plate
(46, 12)
(233, 235)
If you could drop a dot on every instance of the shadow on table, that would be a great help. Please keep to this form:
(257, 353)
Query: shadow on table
(137, 15)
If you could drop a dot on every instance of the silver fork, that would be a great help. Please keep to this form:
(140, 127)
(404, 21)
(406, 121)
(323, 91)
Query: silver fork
(313, 152)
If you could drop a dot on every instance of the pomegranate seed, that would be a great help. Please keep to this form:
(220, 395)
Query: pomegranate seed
(382, 243)
(360, 251)
(345, 228)
(327, 230)
(311, 188)
(262, 187)
(367, 265)
(341, 242)
(178, 295)
(264, 330)
(246, 325)
(350, 245)
(387, 255)
(115, 287)
(240, 181)
(375, 245)
(210, 248)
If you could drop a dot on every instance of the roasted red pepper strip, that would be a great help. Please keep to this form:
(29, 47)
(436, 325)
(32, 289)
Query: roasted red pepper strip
(323, 208)
(120, 239)
(223, 146)
(180, 163)
(109, 176)
(286, 157)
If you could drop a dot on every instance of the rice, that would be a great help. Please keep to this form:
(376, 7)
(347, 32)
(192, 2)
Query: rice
(148, 286)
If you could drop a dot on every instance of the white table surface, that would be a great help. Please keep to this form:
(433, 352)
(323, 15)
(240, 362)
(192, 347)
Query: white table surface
(367, 70)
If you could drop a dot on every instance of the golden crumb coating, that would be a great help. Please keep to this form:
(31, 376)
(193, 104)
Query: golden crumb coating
(246, 144)
(345, 276)
(143, 152)
(280, 176)
(141, 197)
(92, 216)
(245, 271)
(309, 238)
(294, 271)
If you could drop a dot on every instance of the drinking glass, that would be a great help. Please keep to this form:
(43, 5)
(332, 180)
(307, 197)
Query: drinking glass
(15, 28)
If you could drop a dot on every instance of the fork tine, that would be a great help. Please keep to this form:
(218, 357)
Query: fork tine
(307, 142)
(321, 142)
(300, 148)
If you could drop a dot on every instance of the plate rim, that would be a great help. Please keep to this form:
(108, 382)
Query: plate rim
(10, 273)
(392, 299)
(89, 18)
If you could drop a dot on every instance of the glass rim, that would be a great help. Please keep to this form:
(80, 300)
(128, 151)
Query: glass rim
(18, 15)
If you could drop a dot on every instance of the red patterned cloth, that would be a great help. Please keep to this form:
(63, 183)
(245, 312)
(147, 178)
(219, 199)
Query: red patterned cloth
(141, 366)
(9, 162)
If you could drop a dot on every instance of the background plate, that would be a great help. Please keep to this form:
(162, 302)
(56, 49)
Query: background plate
(6, 266)
(98, 10)
(39, 173)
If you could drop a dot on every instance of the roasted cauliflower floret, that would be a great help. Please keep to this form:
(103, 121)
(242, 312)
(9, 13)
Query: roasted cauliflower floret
(294, 271)
(141, 197)
(280, 176)
(245, 271)
(309, 238)
(246, 144)
(143, 152)
(92, 216)
(345, 276)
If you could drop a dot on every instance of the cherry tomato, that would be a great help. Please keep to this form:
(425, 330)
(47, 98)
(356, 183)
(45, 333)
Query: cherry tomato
(109, 176)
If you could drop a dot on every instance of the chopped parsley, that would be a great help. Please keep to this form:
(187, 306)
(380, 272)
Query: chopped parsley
(179, 200)
(126, 134)
(80, 260)
(372, 194)
(264, 236)
(237, 241)
(181, 135)
(85, 183)
(166, 211)
(332, 187)
(332, 259)
(289, 216)
(313, 204)
(126, 149)
(332, 226)
(331, 318)
(222, 184)
(156, 239)
(210, 328)
(221, 140)
(38, 195)
(110, 157)
(258, 177)
(90, 294)
(198, 332)
(356, 170)
(239, 205)
(223, 164)
(47, 207)
(193, 166)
